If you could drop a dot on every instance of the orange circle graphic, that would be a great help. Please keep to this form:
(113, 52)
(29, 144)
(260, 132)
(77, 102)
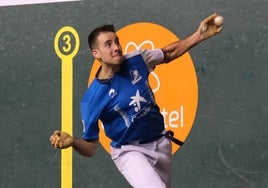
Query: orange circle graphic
(175, 84)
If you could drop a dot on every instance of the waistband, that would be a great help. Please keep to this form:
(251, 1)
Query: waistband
(168, 134)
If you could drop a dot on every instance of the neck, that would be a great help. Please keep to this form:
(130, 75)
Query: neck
(107, 72)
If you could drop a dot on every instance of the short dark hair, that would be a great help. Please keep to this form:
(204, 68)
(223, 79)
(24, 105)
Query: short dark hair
(95, 33)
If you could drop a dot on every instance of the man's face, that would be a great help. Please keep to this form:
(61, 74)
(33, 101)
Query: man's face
(108, 49)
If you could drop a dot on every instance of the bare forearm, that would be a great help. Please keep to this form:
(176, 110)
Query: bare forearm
(63, 140)
(206, 29)
(85, 148)
(177, 49)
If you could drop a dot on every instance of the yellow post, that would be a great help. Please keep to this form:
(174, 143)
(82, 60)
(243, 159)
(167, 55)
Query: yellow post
(66, 121)
(66, 45)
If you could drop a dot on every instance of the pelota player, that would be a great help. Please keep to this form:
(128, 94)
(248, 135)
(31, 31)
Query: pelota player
(121, 98)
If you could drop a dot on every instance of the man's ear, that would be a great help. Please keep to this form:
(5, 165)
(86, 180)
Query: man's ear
(95, 53)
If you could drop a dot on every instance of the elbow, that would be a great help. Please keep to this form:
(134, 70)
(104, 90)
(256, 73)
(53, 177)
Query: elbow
(91, 152)
(85, 148)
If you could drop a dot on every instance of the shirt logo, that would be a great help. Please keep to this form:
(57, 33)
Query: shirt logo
(135, 76)
(112, 93)
(136, 101)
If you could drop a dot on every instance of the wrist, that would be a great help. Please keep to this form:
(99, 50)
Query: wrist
(196, 38)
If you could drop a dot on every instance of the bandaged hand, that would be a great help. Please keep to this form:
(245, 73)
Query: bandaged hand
(208, 28)
(61, 140)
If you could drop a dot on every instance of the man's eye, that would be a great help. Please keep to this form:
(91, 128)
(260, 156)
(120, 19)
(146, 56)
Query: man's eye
(109, 45)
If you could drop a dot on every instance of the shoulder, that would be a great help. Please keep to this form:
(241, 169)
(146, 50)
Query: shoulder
(146, 54)
(132, 54)
(151, 57)
(95, 91)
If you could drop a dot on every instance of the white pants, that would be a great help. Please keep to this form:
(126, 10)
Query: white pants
(145, 165)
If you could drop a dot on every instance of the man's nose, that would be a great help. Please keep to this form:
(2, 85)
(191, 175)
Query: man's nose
(116, 46)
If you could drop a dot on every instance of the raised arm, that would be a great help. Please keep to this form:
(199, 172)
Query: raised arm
(206, 29)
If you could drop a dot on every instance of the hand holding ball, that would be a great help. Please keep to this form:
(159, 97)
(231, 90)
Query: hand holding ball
(218, 21)
(210, 26)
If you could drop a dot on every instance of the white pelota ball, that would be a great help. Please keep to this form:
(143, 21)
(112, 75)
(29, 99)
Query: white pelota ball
(218, 21)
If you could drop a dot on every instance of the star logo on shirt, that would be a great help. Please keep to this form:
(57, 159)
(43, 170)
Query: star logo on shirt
(136, 101)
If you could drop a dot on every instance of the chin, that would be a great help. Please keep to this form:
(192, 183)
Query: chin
(118, 60)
